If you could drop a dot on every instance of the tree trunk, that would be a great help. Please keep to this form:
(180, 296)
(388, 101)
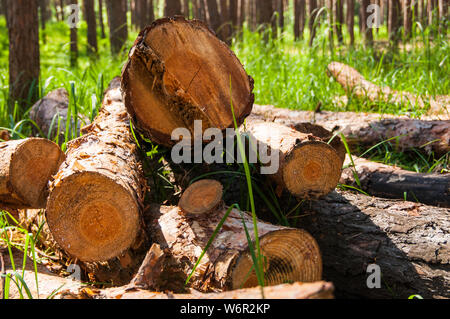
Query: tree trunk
(299, 18)
(73, 40)
(308, 167)
(117, 21)
(185, 8)
(368, 129)
(265, 12)
(408, 241)
(142, 13)
(339, 22)
(89, 11)
(330, 16)
(193, 87)
(224, 33)
(233, 14)
(443, 16)
(44, 15)
(407, 18)
(351, 20)
(313, 10)
(213, 18)
(24, 59)
(356, 85)
(100, 18)
(172, 8)
(242, 13)
(290, 254)
(61, 8)
(366, 30)
(103, 179)
(26, 167)
(151, 12)
(393, 21)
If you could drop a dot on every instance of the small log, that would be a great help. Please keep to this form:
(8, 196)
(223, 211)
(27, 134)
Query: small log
(368, 129)
(26, 167)
(178, 71)
(4, 136)
(408, 241)
(95, 203)
(353, 82)
(290, 254)
(308, 167)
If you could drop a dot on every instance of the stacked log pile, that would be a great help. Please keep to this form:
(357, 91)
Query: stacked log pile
(179, 72)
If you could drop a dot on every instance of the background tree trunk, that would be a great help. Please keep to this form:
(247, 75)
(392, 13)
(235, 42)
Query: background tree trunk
(299, 18)
(89, 11)
(312, 20)
(117, 21)
(142, 14)
(339, 21)
(73, 41)
(351, 20)
(24, 58)
(330, 16)
(151, 12)
(407, 18)
(225, 27)
(213, 17)
(233, 15)
(172, 7)
(44, 15)
(365, 29)
(394, 24)
(100, 19)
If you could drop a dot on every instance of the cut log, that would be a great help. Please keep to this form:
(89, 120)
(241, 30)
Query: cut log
(408, 241)
(201, 197)
(313, 290)
(47, 111)
(368, 129)
(353, 82)
(95, 202)
(387, 181)
(308, 167)
(26, 167)
(178, 72)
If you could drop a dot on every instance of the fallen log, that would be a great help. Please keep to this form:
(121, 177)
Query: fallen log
(368, 129)
(26, 167)
(178, 71)
(95, 202)
(354, 83)
(408, 241)
(382, 180)
(387, 181)
(308, 167)
(179, 238)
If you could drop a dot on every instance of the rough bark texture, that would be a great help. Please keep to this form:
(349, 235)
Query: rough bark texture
(353, 82)
(117, 21)
(24, 56)
(308, 167)
(169, 86)
(393, 182)
(408, 241)
(26, 167)
(95, 202)
(89, 12)
(290, 254)
(368, 129)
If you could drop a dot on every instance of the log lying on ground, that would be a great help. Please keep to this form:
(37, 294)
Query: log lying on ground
(47, 111)
(179, 238)
(25, 169)
(178, 72)
(384, 180)
(95, 202)
(353, 82)
(313, 290)
(308, 167)
(387, 181)
(408, 241)
(368, 129)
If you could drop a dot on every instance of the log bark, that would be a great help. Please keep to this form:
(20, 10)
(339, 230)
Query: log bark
(308, 167)
(95, 202)
(26, 167)
(290, 254)
(368, 129)
(408, 241)
(169, 86)
(117, 21)
(354, 83)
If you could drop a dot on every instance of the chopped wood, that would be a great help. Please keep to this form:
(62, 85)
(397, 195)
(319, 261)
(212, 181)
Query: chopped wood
(290, 254)
(368, 129)
(408, 241)
(95, 202)
(26, 167)
(178, 71)
(353, 82)
(308, 167)
(201, 197)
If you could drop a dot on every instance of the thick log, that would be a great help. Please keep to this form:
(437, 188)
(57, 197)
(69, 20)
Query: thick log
(95, 202)
(308, 167)
(408, 241)
(25, 169)
(178, 72)
(353, 82)
(290, 254)
(368, 129)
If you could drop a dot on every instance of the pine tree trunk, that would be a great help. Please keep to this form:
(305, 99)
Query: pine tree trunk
(233, 13)
(330, 16)
(339, 22)
(225, 27)
(299, 18)
(443, 16)
(184, 87)
(24, 58)
(103, 179)
(100, 19)
(142, 12)
(365, 29)
(394, 25)
(265, 12)
(172, 8)
(151, 12)
(185, 8)
(89, 11)
(407, 18)
(351, 20)
(44, 16)
(27, 166)
(312, 20)
(117, 21)
(213, 15)
(73, 41)
(242, 13)
(61, 9)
